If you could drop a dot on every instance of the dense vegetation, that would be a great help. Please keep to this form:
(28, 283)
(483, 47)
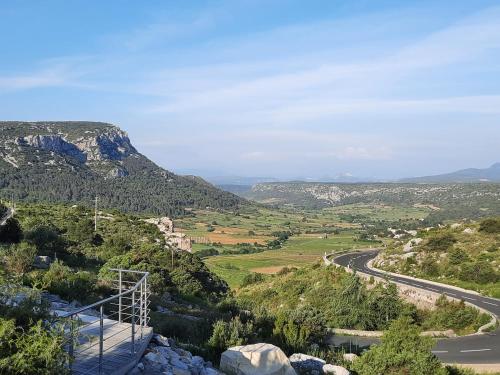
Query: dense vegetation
(29, 344)
(463, 254)
(346, 302)
(60, 172)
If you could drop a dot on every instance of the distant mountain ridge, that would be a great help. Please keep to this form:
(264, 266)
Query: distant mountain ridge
(491, 174)
(73, 161)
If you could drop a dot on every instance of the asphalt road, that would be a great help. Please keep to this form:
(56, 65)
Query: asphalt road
(473, 349)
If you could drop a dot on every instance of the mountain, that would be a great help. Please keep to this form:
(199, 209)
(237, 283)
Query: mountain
(73, 161)
(464, 175)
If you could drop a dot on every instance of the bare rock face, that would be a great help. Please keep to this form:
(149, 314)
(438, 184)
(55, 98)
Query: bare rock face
(102, 148)
(113, 144)
(256, 359)
(55, 143)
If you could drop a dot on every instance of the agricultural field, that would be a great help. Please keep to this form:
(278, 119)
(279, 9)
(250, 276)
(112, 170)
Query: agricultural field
(240, 242)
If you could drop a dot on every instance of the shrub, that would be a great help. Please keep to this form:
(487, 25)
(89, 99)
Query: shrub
(402, 351)
(490, 225)
(227, 334)
(38, 351)
(252, 278)
(298, 329)
(11, 231)
(46, 238)
(481, 272)
(458, 256)
(441, 242)
(71, 285)
(19, 258)
(430, 267)
(207, 252)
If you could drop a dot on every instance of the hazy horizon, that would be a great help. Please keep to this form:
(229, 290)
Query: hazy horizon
(278, 89)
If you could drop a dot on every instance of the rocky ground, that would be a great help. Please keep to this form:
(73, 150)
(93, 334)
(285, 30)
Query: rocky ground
(163, 357)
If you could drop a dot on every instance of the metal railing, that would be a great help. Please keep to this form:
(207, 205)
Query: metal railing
(114, 326)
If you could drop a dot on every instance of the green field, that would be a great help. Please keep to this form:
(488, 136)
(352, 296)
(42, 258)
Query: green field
(314, 233)
(297, 252)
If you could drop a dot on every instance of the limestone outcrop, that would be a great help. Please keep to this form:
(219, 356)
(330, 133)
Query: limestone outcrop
(256, 359)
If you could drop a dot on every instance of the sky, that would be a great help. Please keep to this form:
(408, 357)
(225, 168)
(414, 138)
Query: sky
(378, 89)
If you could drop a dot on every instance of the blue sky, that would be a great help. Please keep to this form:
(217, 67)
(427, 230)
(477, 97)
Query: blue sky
(381, 89)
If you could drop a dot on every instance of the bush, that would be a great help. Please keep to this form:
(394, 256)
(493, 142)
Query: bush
(490, 225)
(207, 252)
(481, 272)
(402, 351)
(458, 256)
(37, 351)
(46, 238)
(19, 258)
(68, 284)
(252, 278)
(441, 242)
(227, 334)
(11, 231)
(298, 329)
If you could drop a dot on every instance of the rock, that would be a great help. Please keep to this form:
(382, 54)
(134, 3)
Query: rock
(306, 364)
(468, 231)
(160, 340)
(156, 358)
(140, 366)
(177, 362)
(257, 359)
(42, 262)
(351, 357)
(180, 371)
(335, 370)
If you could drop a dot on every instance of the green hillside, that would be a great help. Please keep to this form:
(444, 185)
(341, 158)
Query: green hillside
(75, 161)
(463, 254)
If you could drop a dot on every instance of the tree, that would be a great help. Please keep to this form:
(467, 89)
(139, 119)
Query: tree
(11, 231)
(402, 351)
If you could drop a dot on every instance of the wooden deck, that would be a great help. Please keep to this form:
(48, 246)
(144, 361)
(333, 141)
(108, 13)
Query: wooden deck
(117, 347)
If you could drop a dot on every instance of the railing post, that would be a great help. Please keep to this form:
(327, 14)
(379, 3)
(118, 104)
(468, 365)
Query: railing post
(132, 350)
(101, 338)
(71, 342)
(145, 301)
(141, 322)
(120, 298)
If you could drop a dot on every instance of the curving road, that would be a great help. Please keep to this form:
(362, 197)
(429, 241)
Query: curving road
(473, 349)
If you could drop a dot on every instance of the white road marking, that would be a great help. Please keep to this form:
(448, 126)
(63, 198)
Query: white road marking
(474, 350)
(489, 303)
(451, 294)
(472, 299)
(440, 351)
(435, 290)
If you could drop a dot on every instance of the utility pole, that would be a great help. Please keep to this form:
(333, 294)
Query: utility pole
(95, 215)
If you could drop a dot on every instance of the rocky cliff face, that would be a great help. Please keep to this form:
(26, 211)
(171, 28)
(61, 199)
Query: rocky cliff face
(98, 145)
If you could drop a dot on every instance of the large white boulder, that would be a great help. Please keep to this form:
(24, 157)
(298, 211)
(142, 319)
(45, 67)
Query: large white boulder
(256, 359)
(335, 370)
